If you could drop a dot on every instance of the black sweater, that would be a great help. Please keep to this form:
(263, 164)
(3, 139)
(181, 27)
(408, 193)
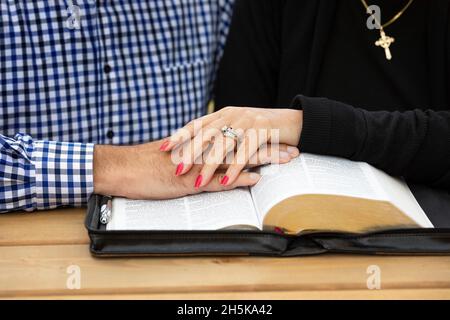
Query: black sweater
(278, 49)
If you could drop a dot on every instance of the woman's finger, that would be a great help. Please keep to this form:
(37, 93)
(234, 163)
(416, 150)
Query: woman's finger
(251, 142)
(215, 157)
(187, 132)
(222, 147)
(194, 149)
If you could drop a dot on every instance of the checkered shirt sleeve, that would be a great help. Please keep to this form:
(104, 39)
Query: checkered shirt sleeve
(43, 174)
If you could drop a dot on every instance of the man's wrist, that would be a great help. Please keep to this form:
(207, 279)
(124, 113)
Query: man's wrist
(120, 170)
(110, 169)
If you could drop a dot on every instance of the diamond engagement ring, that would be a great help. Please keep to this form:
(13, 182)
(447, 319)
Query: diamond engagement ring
(230, 133)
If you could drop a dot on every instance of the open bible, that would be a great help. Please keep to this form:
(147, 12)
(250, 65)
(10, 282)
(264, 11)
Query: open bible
(311, 193)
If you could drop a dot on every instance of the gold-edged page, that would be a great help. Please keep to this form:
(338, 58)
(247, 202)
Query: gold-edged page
(314, 174)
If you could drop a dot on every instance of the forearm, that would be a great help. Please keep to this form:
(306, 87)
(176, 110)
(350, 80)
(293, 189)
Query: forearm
(413, 144)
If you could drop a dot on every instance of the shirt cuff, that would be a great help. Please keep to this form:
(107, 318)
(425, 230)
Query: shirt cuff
(329, 127)
(63, 172)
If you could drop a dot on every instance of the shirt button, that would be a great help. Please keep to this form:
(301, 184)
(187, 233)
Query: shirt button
(110, 134)
(107, 68)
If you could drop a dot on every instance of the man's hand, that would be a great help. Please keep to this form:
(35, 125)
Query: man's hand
(144, 172)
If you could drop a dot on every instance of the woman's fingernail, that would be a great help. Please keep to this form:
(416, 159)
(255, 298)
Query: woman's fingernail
(224, 180)
(284, 155)
(198, 182)
(293, 151)
(164, 146)
(255, 177)
(179, 169)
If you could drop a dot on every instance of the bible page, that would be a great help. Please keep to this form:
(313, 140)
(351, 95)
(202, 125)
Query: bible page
(206, 211)
(401, 196)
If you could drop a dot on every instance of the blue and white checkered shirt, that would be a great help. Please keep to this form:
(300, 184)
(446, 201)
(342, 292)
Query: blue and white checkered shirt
(82, 72)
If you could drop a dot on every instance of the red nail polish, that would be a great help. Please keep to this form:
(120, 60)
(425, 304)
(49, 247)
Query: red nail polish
(198, 182)
(179, 169)
(224, 181)
(164, 146)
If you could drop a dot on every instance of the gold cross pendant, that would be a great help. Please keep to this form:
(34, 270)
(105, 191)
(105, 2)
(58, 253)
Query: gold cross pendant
(385, 42)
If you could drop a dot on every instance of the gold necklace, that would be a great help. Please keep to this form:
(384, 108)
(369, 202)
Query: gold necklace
(386, 41)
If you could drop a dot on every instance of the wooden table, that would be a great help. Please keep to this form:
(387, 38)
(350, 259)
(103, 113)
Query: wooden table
(36, 250)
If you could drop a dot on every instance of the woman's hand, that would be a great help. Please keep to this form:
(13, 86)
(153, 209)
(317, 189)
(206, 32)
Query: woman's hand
(257, 130)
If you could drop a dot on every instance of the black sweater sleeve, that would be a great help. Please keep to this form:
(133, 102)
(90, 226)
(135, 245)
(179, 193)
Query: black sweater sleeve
(413, 144)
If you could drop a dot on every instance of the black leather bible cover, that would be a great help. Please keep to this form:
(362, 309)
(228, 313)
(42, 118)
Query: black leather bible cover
(436, 203)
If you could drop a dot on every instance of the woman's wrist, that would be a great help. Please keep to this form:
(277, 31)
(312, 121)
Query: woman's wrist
(290, 126)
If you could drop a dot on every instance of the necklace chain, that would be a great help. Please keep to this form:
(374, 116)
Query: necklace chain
(394, 18)
(385, 41)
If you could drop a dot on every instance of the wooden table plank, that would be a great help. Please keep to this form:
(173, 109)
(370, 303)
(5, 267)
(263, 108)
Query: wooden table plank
(37, 248)
(389, 294)
(41, 271)
(65, 226)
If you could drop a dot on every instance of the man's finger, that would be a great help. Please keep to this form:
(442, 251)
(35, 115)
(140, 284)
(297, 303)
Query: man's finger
(273, 154)
(270, 154)
(245, 179)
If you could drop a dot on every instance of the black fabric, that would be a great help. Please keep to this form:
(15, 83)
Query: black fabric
(356, 72)
(435, 203)
(278, 49)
